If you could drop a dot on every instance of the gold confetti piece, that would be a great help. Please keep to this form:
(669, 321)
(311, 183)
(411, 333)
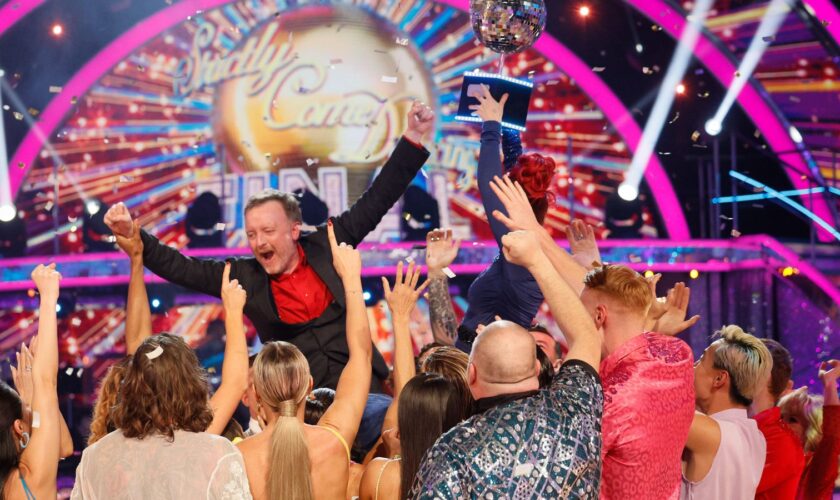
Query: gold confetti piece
(406, 216)
(402, 41)
(826, 22)
(74, 100)
(389, 79)
(656, 27)
(55, 89)
(703, 95)
(598, 69)
(268, 155)
(33, 111)
(737, 74)
(18, 115)
(21, 164)
(695, 136)
(675, 118)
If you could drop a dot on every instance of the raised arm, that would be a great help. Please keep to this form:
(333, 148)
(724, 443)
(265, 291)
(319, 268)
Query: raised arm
(138, 321)
(441, 251)
(670, 314)
(353, 225)
(39, 461)
(583, 245)
(819, 478)
(522, 248)
(199, 275)
(235, 364)
(401, 301)
(520, 216)
(351, 393)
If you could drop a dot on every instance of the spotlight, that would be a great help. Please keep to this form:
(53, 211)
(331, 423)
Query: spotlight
(795, 135)
(584, 11)
(639, 48)
(161, 298)
(694, 274)
(155, 303)
(7, 213)
(713, 127)
(649, 274)
(367, 295)
(57, 29)
(93, 207)
(628, 192)
(65, 306)
(623, 218)
(680, 89)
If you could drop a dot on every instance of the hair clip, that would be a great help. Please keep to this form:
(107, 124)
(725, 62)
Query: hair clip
(155, 353)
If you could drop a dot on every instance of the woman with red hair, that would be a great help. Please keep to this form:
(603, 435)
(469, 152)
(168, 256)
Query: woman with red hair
(505, 289)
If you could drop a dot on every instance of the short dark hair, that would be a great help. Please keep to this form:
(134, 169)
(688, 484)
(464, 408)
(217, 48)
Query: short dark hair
(11, 409)
(317, 403)
(782, 368)
(546, 369)
(540, 328)
(288, 201)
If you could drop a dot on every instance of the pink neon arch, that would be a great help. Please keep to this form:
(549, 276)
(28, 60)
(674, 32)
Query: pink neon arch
(672, 215)
(757, 107)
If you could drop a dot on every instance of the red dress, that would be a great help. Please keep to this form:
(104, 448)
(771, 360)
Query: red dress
(648, 409)
(817, 481)
(785, 458)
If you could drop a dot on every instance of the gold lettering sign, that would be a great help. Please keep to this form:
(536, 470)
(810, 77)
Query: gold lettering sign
(320, 85)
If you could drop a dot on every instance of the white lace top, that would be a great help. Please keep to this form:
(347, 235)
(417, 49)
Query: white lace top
(195, 465)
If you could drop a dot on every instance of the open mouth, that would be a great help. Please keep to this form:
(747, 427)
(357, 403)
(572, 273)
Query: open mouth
(267, 256)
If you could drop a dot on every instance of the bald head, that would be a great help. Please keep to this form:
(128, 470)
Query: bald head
(504, 359)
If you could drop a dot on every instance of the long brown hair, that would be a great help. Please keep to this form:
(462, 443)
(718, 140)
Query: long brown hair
(281, 381)
(11, 409)
(451, 363)
(429, 406)
(106, 397)
(164, 392)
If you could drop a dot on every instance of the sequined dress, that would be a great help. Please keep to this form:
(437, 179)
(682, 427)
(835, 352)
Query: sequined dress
(547, 445)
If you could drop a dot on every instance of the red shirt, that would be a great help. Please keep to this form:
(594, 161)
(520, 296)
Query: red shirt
(785, 458)
(821, 472)
(648, 409)
(300, 295)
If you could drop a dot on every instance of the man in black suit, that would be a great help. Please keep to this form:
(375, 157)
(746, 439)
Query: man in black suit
(293, 291)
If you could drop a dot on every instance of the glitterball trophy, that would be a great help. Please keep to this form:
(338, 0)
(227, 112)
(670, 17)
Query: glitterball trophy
(506, 27)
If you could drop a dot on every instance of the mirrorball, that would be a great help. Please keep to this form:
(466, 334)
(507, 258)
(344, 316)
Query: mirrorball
(507, 26)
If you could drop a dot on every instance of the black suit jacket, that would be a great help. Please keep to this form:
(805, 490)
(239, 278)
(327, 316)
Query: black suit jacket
(323, 339)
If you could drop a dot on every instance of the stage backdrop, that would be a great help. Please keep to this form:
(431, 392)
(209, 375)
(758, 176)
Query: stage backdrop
(251, 95)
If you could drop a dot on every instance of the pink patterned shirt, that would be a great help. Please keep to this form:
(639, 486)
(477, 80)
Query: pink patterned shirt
(648, 408)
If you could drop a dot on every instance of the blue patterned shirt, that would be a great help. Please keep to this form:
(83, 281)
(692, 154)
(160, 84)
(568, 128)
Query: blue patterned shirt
(543, 446)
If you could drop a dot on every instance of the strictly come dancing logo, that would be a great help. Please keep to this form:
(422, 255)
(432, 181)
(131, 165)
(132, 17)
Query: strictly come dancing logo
(319, 85)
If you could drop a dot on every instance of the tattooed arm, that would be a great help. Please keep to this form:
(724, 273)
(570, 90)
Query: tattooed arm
(441, 251)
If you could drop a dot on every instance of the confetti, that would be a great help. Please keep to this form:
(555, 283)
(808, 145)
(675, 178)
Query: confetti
(703, 95)
(757, 134)
(76, 322)
(737, 74)
(700, 146)
(21, 164)
(448, 272)
(695, 136)
(826, 22)
(656, 27)
(725, 217)
(768, 38)
(33, 111)
(389, 79)
(55, 89)
(675, 118)
(735, 233)
(48, 206)
(311, 161)
(126, 178)
(598, 69)
(646, 70)
(406, 216)
(18, 115)
(74, 100)
(220, 226)
(409, 259)
(402, 41)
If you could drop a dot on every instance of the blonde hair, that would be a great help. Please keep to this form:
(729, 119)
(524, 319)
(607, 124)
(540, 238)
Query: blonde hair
(452, 364)
(746, 359)
(106, 397)
(281, 381)
(808, 410)
(621, 284)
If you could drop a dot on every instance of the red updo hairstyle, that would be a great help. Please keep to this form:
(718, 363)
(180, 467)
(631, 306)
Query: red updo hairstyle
(535, 172)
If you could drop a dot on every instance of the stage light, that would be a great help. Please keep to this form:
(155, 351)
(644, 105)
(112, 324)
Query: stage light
(7, 213)
(694, 274)
(795, 135)
(662, 106)
(155, 303)
(366, 295)
(639, 48)
(57, 29)
(789, 271)
(628, 192)
(775, 14)
(93, 207)
(680, 89)
(713, 127)
(649, 274)
(584, 11)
